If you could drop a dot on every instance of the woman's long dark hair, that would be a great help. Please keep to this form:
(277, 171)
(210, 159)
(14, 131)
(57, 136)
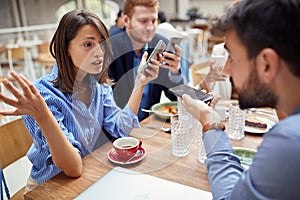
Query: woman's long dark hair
(67, 29)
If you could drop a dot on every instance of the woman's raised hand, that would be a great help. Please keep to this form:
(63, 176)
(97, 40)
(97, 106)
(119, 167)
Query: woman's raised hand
(26, 102)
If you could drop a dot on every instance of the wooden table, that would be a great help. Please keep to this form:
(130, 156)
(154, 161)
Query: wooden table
(158, 162)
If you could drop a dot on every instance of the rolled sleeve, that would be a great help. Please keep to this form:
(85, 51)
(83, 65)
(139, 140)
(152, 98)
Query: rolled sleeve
(215, 140)
(223, 165)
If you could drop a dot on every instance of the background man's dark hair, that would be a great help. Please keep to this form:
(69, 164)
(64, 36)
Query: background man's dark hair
(162, 17)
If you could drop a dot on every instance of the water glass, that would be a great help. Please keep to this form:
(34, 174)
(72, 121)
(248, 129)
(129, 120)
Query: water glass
(191, 120)
(221, 111)
(236, 123)
(180, 137)
(201, 150)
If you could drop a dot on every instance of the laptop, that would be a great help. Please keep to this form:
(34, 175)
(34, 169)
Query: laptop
(125, 184)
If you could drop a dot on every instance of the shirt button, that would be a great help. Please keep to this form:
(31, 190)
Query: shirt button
(91, 121)
(90, 140)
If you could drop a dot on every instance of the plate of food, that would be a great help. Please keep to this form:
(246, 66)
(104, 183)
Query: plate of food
(256, 124)
(165, 110)
(245, 155)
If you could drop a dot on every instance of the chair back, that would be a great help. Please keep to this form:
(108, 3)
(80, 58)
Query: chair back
(44, 58)
(16, 53)
(43, 47)
(15, 141)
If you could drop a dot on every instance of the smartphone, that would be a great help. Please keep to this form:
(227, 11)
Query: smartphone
(159, 48)
(220, 60)
(171, 44)
(194, 93)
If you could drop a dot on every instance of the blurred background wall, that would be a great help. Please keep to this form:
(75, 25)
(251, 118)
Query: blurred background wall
(40, 16)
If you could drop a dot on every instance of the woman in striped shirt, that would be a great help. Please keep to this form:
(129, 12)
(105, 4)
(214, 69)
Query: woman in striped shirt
(66, 110)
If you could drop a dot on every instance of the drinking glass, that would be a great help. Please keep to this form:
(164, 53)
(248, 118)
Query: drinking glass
(201, 149)
(236, 123)
(180, 128)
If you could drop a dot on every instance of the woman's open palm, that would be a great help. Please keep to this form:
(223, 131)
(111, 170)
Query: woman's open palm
(26, 102)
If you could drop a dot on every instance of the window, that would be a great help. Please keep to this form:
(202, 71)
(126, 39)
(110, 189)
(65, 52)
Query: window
(106, 10)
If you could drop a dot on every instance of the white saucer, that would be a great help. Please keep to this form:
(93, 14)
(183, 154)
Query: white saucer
(113, 157)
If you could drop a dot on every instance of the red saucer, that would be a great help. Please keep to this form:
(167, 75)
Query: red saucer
(113, 157)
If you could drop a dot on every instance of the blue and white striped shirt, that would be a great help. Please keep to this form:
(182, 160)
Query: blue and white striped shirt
(82, 125)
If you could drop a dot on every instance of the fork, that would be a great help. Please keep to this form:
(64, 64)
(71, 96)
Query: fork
(165, 129)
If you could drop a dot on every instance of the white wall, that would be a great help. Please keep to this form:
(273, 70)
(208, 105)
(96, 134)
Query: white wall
(211, 7)
(168, 7)
(206, 7)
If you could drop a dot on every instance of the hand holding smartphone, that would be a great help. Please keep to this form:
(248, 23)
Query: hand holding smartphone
(171, 44)
(194, 93)
(158, 49)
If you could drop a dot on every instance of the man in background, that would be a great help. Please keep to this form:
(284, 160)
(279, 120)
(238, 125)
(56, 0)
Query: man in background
(140, 18)
(118, 27)
(168, 30)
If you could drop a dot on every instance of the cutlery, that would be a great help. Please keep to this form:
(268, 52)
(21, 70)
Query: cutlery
(165, 129)
(137, 154)
(146, 110)
(261, 111)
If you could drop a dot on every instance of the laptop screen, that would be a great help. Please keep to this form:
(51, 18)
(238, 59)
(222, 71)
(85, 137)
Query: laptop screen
(125, 184)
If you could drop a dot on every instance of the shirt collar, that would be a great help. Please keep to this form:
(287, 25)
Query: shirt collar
(93, 84)
(145, 48)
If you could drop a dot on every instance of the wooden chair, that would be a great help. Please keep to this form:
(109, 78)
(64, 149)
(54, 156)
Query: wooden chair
(18, 58)
(15, 141)
(213, 40)
(14, 59)
(44, 59)
(199, 71)
(2, 57)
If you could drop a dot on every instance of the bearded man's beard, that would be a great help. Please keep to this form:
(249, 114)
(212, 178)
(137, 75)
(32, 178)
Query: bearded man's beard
(255, 93)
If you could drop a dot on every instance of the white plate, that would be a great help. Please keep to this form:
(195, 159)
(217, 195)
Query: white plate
(245, 155)
(163, 115)
(269, 123)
